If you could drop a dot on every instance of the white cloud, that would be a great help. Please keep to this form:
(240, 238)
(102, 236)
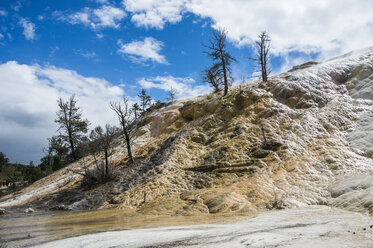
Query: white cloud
(107, 16)
(104, 17)
(86, 54)
(81, 17)
(142, 51)
(17, 6)
(3, 13)
(184, 87)
(155, 13)
(28, 103)
(329, 27)
(28, 29)
(1, 36)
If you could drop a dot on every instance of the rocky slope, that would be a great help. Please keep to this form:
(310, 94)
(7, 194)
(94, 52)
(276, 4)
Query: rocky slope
(208, 154)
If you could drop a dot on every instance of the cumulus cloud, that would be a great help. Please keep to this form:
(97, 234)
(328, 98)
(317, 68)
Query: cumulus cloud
(324, 27)
(107, 16)
(184, 87)
(82, 17)
(28, 103)
(28, 29)
(155, 13)
(142, 51)
(104, 17)
(3, 13)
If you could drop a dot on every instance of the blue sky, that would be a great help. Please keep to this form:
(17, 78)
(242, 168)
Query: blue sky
(102, 50)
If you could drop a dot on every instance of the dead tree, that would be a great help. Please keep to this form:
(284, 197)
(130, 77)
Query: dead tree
(217, 51)
(102, 140)
(123, 113)
(210, 77)
(171, 95)
(261, 57)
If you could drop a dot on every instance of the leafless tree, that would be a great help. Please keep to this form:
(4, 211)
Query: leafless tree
(217, 51)
(71, 123)
(102, 140)
(171, 95)
(210, 77)
(261, 57)
(124, 116)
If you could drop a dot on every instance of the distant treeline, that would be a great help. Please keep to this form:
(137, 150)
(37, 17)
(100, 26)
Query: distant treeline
(16, 175)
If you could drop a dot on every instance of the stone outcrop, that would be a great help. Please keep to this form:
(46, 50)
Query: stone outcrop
(279, 144)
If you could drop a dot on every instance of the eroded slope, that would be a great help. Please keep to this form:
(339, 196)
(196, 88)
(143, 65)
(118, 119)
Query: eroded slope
(208, 154)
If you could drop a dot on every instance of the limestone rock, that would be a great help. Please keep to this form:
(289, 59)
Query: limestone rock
(29, 210)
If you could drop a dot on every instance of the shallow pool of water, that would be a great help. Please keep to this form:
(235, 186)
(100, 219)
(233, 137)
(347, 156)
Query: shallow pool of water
(24, 230)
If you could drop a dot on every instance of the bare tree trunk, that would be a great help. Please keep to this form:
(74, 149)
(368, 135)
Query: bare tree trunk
(72, 147)
(106, 163)
(225, 75)
(128, 143)
(123, 115)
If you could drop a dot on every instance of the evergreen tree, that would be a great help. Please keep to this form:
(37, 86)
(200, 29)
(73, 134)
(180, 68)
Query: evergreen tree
(71, 123)
(145, 100)
(136, 109)
(3, 161)
(13, 174)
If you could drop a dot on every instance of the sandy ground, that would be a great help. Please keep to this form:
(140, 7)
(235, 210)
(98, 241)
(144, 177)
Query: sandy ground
(317, 226)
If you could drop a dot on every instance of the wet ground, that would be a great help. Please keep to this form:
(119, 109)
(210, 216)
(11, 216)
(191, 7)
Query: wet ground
(316, 226)
(25, 230)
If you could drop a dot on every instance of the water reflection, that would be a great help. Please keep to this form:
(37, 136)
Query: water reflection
(24, 230)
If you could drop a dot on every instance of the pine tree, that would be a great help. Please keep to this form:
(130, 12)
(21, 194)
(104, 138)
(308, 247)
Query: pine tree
(71, 123)
(3, 161)
(136, 109)
(145, 100)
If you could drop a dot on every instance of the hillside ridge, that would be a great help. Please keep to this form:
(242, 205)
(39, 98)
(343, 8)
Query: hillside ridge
(208, 154)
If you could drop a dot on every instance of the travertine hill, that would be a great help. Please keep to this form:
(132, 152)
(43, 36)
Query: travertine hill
(208, 154)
